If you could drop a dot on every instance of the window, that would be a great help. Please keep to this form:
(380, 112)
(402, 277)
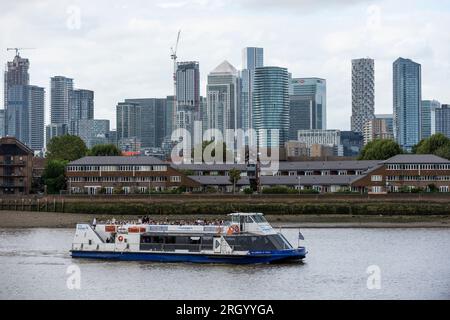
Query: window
(377, 189)
(443, 189)
(175, 179)
(377, 178)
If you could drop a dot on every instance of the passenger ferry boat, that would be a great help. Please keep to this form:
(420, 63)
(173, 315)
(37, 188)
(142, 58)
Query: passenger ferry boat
(248, 238)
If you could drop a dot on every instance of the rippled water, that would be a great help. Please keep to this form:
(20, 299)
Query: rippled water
(414, 264)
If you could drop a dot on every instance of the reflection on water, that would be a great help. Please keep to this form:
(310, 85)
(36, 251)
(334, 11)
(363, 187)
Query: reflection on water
(414, 264)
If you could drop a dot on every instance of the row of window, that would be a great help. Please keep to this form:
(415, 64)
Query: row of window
(418, 167)
(125, 179)
(417, 178)
(378, 189)
(116, 168)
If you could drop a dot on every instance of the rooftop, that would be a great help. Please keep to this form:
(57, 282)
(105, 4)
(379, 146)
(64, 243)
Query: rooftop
(118, 160)
(416, 158)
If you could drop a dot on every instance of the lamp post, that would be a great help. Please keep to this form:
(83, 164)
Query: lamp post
(299, 186)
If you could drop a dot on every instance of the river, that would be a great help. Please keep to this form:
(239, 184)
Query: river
(341, 264)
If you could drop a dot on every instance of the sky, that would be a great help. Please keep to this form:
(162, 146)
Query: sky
(121, 49)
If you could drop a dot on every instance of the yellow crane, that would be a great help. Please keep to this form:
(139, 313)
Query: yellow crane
(17, 49)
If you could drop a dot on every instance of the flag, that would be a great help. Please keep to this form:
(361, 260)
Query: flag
(300, 236)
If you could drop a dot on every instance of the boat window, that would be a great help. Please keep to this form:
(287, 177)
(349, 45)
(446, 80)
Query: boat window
(259, 219)
(248, 219)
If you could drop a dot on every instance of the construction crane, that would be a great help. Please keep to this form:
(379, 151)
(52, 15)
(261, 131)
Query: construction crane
(174, 57)
(17, 49)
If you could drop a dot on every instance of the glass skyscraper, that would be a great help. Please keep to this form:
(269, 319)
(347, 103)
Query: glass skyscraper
(407, 94)
(222, 93)
(308, 98)
(271, 106)
(443, 120)
(188, 94)
(252, 58)
(81, 106)
(60, 94)
(428, 117)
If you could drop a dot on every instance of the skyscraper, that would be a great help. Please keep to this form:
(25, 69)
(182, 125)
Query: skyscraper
(443, 120)
(25, 115)
(271, 105)
(223, 98)
(36, 109)
(16, 74)
(2, 122)
(81, 106)
(308, 105)
(188, 94)
(428, 117)
(363, 93)
(128, 121)
(60, 94)
(252, 58)
(93, 131)
(407, 98)
(153, 121)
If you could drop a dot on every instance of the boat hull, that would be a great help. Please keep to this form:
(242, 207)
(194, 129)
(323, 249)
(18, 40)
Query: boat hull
(251, 258)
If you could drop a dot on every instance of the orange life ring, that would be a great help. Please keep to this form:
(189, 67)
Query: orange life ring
(120, 238)
(233, 229)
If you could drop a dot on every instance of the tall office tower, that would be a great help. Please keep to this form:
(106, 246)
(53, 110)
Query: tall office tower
(443, 120)
(25, 115)
(223, 98)
(307, 105)
(407, 92)
(363, 93)
(352, 143)
(252, 58)
(170, 105)
(2, 122)
(60, 93)
(188, 94)
(36, 120)
(128, 121)
(204, 113)
(271, 106)
(16, 74)
(81, 106)
(153, 121)
(428, 117)
(389, 122)
(93, 131)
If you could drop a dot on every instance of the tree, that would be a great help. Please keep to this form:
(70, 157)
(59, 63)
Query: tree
(380, 150)
(54, 177)
(235, 176)
(438, 144)
(104, 150)
(212, 147)
(66, 148)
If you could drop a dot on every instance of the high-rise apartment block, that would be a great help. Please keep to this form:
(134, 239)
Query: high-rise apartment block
(407, 96)
(363, 93)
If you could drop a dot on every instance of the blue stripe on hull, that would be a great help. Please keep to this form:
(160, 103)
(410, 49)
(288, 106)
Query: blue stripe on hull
(278, 256)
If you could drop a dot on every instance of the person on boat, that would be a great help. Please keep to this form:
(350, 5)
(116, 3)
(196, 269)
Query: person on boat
(94, 223)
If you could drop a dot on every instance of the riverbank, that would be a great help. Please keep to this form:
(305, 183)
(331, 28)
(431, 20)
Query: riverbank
(27, 219)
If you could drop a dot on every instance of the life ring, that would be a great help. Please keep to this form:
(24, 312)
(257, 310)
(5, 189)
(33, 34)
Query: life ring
(120, 238)
(233, 229)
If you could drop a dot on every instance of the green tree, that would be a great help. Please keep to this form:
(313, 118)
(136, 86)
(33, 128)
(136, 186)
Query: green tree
(217, 146)
(438, 144)
(104, 150)
(54, 176)
(234, 176)
(380, 150)
(67, 147)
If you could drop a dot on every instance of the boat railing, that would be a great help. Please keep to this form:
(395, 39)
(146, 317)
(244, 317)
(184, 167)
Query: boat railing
(170, 247)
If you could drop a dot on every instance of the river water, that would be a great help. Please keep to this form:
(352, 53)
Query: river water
(402, 264)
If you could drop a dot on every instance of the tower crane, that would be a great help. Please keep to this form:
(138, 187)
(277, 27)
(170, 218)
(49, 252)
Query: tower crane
(17, 49)
(174, 57)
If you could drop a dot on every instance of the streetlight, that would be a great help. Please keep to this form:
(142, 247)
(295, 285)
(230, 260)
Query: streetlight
(299, 186)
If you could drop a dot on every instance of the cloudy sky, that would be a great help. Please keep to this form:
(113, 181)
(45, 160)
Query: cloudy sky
(121, 49)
